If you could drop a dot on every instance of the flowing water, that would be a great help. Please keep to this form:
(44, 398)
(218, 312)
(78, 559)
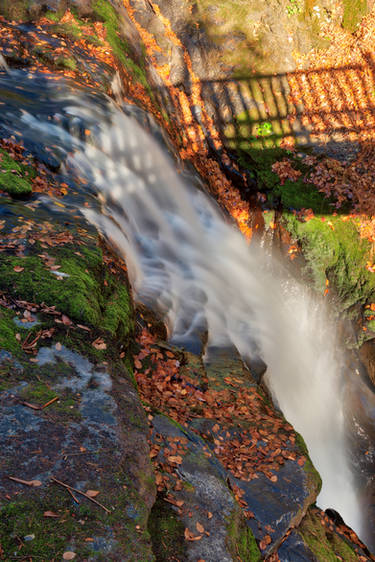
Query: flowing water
(189, 262)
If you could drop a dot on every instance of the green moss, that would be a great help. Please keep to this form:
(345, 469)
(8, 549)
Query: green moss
(66, 62)
(83, 296)
(354, 11)
(167, 533)
(334, 251)
(308, 466)
(14, 177)
(51, 536)
(75, 295)
(105, 12)
(128, 363)
(54, 16)
(117, 311)
(301, 195)
(241, 541)
(40, 393)
(73, 30)
(326, 545)
(8, 330)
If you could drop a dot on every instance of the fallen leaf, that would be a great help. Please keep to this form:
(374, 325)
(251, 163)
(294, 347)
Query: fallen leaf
(92, 493)
(69, 555)
(199, 527)
(50, 514)
(190, 537)
(65, 320)
(209, 515)
(99, 344)
(177, 459)
(18, 269)
(137, 364)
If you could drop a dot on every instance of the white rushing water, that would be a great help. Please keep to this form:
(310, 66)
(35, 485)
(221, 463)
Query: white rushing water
(187, 260)
(190, 263)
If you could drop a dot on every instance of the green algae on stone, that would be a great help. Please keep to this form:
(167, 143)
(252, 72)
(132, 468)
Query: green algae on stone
(240, 539)
(106, 12)
(8, 331)
(24, 517)
(81, 295)
(308, 467)
(334, 251)
(66, 62)
(326, 545)
(14, 177)
(167, 533)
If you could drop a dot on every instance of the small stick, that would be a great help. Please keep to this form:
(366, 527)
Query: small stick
(20, 481)
(33, 406)
(73, 496)
(80, 492)
(49, 402)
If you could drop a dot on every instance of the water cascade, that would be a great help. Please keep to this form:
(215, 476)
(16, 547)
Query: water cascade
(188, 261)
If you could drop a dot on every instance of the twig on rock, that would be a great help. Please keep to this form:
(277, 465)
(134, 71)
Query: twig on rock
(80, 492)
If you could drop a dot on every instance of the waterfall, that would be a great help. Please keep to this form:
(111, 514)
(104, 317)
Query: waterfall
(188, 261)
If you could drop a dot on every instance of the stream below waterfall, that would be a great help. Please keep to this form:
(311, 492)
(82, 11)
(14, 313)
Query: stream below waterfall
(187, 260)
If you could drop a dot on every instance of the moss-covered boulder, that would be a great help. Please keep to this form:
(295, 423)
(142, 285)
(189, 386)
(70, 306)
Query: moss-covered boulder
(15, 178)
(318, 538)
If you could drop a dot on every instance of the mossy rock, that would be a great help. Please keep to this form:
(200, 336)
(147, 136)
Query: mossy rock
(308, 467)
(167, 532)
(87, 295)
(66, 62)
(334, 251)
(15, 178)
(8, 331)
(324, 544)
(105, 12)
(241, 541)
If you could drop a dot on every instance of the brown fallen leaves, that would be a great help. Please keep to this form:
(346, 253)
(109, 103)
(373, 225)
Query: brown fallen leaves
(99, 344)
(247, 435)
(69, 555)
(51, 514)
(285, 171)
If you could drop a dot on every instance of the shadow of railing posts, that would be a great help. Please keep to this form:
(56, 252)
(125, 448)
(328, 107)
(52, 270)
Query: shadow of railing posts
(325, 108)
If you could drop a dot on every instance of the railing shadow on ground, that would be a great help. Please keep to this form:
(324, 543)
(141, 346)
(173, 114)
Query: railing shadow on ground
(330, 109)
